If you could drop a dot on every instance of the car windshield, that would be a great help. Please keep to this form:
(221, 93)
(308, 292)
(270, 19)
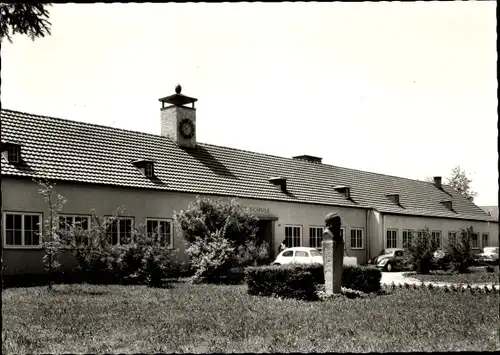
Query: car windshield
(315, 252)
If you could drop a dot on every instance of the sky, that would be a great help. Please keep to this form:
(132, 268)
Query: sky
(399, 88)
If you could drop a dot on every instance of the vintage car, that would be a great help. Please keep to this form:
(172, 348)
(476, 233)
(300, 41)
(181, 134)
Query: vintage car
(305, 255)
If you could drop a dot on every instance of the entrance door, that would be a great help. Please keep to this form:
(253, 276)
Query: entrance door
(265, 234)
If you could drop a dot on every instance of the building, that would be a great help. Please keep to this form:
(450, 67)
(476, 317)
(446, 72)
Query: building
(101, 168)
(491, 210)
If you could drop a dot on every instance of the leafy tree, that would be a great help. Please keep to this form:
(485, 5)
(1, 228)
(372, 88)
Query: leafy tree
(51, 245)
(459, 250)
(461, 183)
(421, 250)
(25, 19)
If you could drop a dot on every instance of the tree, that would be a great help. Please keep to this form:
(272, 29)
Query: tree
(25, 19)
(461, 183)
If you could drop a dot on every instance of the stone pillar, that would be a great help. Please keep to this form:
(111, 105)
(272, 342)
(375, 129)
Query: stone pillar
(327, 245)
(333, 254)
(338, 265)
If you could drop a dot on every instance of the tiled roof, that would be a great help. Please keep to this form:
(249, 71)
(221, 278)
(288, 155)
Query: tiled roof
(491, 210)
(60, 149)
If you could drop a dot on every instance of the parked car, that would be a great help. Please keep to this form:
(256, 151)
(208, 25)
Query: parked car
(305, 255)
(489, 255)
(391, 259)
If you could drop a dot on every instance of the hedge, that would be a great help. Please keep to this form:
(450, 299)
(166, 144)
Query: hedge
(297, 282)
(300, 281)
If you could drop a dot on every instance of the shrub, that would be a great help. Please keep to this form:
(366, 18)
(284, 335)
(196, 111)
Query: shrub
(220, 236)
(459, 250)
(206, 216)
(211, 257)
(361, 278)
(142, 259)
(421, 251)
(289, 281)
(269, 280)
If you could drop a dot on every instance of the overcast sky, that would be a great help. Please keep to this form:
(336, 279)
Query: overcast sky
(405, 89)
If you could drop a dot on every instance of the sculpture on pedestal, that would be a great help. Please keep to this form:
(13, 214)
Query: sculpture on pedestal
(333, 253)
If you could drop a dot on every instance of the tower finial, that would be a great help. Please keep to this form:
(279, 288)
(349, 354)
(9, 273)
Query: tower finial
(178, 89)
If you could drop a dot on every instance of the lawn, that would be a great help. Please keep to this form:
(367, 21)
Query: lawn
(210, 318)
(476, 275)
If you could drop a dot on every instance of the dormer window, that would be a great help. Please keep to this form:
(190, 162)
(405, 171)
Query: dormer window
(12, 152)
(279, 181)
(149, 170)
(448, 204)
(344, 190)
(394, 198)
(146, 167)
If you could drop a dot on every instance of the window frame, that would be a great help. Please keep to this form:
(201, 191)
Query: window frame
(316, 237)
(171, 233)
(117, 219)
(356, 229)
(487, 239)
(14, 151)
(477, 241)
(452, 236)
(22, 214)
(409, 236)
(395, 238)
(292, 237)
(440, 246)
(73, 216)
(149, 170)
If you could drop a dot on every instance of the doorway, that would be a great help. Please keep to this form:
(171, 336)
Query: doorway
(265, 234)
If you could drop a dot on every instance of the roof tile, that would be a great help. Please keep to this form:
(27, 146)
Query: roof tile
(60, 149)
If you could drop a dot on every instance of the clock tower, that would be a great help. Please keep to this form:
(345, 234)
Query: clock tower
(178, 122)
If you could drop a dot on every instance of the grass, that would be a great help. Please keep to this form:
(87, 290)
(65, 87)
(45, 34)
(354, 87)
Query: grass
(211, 318)
(476, 275)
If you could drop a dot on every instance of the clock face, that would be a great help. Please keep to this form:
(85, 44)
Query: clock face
(186, 128)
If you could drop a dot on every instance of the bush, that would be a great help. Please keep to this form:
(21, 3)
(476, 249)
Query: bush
(421, 251)
(459, 250)
(289, 281)
(278, 280)
(143, 259)
(211, 258)
(206, 216)
(220, 236)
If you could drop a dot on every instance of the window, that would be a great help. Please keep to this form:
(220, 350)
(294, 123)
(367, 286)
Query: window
(392, 238)
(407, 234)
(484, 240)
(452, 237)
(293, 236)
(14, 154)
(398, 253)
(301, 254)
(22, 229)
(149, 171)
(315, 237)
(436, 238)
(356, 238)
(66, 222)
(119, 231)
(288, 253)
(474, 242)
(161, 228)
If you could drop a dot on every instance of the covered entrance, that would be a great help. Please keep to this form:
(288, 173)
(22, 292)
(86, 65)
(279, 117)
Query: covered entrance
(265, 233)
